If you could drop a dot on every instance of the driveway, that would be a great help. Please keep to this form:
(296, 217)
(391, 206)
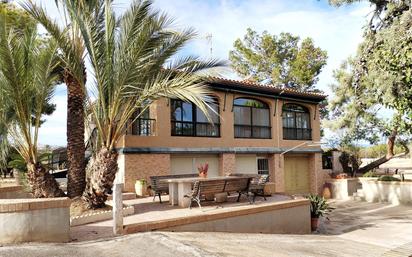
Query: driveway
(354, 229)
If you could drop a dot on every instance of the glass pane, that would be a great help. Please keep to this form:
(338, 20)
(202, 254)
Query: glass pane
(242, 115)
(201, 117)
(288, 120)
(176, 110)
(243, 131)
(187, 111)
(263, 166)
(261, 132)
(250, 102)
(260, 117)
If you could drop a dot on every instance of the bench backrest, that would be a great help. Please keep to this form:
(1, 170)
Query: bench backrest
(214, 186)
(236, 185)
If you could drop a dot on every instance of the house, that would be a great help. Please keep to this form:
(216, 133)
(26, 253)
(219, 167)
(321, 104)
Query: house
(256, 129)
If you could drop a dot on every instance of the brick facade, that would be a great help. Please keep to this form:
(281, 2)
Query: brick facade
(227, 163)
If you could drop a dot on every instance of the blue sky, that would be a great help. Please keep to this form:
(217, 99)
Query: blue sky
(336, 30)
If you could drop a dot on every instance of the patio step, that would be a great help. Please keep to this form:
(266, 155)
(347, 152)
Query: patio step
(126, 196)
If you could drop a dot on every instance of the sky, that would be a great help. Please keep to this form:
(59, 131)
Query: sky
(336, 30)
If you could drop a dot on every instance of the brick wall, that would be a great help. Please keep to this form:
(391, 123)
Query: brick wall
(227, 163)
(142, 166)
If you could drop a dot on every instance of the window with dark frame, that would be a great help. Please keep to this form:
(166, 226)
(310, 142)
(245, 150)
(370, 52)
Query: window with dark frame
(263, 166)
(142, 125)
(252, 118)
(188, 120)
(296, 122)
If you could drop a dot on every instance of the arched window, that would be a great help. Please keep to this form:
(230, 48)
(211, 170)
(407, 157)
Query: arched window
(252, 118)
(296, 122)
(188, 120)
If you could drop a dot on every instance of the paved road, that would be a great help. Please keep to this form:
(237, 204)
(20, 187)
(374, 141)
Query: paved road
(355, 229)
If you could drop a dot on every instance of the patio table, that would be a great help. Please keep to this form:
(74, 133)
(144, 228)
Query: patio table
(179, 187)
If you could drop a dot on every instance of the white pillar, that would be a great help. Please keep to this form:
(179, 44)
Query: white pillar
(117, 209)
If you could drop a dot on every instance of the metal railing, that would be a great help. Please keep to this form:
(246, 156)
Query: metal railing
(195, 129)
(142, 127)
(297, 133)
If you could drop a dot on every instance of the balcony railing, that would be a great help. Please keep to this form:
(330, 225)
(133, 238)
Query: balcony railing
(297, 133)
(142, 127)
(247, 131)
(195, 129)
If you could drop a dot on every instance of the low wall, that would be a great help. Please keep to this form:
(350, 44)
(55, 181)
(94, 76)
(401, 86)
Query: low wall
(343, 188)
(13, 192)
(285, 217)
(393, 192)
(29, 220)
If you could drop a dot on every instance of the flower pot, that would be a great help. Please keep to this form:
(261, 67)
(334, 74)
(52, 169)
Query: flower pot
(140, 187)
(326, 193)
(314, 223)
(203, 175)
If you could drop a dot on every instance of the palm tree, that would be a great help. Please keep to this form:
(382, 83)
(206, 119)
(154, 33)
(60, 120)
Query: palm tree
(71, 48)
(27, 81)
(132, 65)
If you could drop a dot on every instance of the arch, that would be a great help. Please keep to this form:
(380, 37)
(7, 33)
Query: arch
(251, 118)
(296, 122)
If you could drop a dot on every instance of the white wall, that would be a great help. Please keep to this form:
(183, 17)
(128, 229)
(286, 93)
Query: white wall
(246, 164)
(184, 164)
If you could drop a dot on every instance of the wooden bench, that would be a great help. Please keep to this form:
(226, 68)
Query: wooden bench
(257, 185)
(202, 188)
(159, 184)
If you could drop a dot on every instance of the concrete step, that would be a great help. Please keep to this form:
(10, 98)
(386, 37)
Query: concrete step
(126, 196)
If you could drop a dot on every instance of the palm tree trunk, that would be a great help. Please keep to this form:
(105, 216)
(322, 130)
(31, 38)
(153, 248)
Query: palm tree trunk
(76, 176)
(42, 183)
(101, 172)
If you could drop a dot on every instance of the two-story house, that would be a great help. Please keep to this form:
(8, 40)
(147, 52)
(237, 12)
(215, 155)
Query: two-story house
(256, 129)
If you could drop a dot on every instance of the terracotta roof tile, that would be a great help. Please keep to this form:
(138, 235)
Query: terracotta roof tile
(274, 88)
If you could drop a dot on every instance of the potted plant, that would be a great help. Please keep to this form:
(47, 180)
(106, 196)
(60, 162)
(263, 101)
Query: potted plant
(319, 207)
(140, 187)
(203, 168)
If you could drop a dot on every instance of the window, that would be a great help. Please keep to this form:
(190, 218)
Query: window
(189, 120)
(252, 118)
(263, 166)
(143, 125)
(296, 122)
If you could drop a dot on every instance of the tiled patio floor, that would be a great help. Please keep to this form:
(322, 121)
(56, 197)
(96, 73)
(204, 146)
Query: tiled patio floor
(148, 211)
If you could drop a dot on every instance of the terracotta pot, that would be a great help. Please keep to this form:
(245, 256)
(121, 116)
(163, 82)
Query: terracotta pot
(314, 223)
(326, 193)
(202, 175)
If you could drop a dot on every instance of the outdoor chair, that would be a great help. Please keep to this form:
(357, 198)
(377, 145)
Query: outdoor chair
(257, 186)
(194, 195)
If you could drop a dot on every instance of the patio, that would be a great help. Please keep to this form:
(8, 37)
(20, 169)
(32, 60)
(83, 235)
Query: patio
(150, 216)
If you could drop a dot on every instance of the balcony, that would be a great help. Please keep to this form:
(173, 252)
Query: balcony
(142, 127)
(297, 134)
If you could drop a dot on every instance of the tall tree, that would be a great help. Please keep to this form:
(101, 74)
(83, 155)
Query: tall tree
(27, 80)
(282, 60)
(378, 78)
(131, 56)
(72, 51)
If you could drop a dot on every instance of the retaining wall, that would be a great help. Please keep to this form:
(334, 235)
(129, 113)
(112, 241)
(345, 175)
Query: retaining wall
(384, 191)
(30, 220)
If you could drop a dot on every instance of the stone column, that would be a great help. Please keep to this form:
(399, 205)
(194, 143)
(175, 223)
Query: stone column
(227, 163)
(276, 171)
(117, 209)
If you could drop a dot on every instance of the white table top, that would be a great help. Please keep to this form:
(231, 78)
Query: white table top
(193, 179)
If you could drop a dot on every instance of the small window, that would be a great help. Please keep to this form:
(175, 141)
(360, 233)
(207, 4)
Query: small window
(263, 166)
(142, 124)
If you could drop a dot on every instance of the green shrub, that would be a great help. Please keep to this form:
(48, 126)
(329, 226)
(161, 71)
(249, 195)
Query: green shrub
(370, 174)
(318, 206)
(388, 178)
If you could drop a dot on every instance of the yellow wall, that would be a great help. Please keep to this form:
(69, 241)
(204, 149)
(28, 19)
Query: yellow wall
(160, 110)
